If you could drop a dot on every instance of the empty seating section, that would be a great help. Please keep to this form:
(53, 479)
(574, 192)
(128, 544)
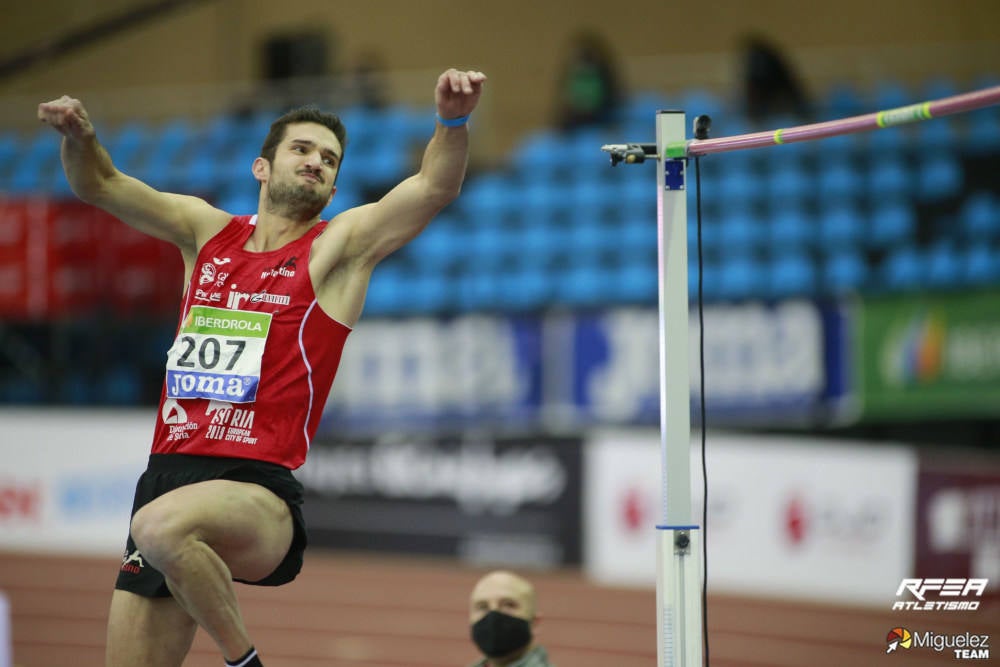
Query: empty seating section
(886, 211)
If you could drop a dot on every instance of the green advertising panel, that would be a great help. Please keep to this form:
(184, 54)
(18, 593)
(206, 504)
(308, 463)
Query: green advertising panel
(929, 356)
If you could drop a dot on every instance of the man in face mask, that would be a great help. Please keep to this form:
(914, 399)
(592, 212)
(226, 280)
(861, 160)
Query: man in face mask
(502, 616)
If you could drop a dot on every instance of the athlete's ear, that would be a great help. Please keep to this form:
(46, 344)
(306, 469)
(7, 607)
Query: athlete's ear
(261, 169)
(333, 191)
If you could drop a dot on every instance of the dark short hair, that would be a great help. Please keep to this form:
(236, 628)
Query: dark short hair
(307, 114)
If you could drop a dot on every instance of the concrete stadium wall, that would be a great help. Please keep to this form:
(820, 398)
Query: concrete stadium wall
(519, 43)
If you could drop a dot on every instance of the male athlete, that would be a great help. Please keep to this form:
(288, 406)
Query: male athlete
(268, 303)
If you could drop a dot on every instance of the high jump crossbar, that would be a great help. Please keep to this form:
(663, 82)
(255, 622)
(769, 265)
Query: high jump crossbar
(912, 113)
(679, 574)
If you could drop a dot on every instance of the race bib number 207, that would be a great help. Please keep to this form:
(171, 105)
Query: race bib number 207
(217, 355)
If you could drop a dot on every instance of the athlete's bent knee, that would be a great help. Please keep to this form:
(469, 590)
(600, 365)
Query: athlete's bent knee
(158, 533)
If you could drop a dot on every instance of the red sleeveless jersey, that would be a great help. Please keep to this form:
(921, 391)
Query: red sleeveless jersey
(254, 357)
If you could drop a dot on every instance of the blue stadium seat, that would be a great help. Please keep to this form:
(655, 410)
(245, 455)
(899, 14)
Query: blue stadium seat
(489, 198)
(587, 238)
(937, 135)
(541, 243)
(638, 282)
(439, 248)
(38, 164)
(541, 154)
(711, 280)
(711, 234)
(582, 151)
(944, 265)
(492, 245)
(845, 271)
(939, 176)
(892, 222)
(387, 293)
(982, 132)
(238, 201)
(200, 174)
(544, 201)
(480, 290)
(76, 387)
(981, 265)
(790, 183)
(744, 186)
(841, 146)
(903, 269)
(889, 94)
(58, 185)
(428, 291)
(637, 236)
(841, 226)
(638, 193)
(399, 126)
(741, 276)
(889, 177)
(791, 274)
(128, 145)
(840, 181)
(346, 197)
(585, 286)
(173, 139)
(890, 141)
(388, 166)
(593, 195)
(121, 385)
(980, 216)
(791, 227)
(223, 133)
(361, 126)
(526, 287)
(741, 231)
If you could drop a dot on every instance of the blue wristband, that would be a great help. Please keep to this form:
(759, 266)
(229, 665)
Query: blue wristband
(452, 122)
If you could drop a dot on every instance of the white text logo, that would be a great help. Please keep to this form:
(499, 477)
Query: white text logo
(940, 588)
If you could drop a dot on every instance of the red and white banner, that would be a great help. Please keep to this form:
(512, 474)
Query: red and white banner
(63, 258)
(787, 517)
(67, 478)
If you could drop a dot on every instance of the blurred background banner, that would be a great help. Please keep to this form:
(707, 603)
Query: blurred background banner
(427, 372)
(935, 355)
(67, 478)
(783, 362)
(958, 522)
(763, 362)
(62, 258)
(789, 517)
(483, 499)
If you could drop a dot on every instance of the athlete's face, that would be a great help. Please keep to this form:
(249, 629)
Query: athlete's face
(301, 179)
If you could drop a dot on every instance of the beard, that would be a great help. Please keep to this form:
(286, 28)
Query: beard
(295, 201)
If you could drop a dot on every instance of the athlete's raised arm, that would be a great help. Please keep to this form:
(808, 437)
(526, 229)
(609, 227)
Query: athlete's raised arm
(182, 220)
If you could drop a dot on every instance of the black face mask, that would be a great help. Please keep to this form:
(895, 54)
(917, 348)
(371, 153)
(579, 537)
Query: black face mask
(497, 634)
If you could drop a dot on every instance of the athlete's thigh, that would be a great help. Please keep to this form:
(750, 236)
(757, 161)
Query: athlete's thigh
(246, 524)
(153, 632)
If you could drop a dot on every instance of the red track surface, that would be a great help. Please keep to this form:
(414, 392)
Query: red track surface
(352, 610)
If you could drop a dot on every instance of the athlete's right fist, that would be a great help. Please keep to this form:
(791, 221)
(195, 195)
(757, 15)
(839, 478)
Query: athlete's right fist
(66, 115)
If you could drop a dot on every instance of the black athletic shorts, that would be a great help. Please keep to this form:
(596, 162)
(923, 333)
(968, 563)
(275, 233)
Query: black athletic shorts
(167, 472)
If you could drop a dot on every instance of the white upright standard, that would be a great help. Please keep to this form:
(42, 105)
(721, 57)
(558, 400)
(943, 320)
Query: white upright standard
(679, 571)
